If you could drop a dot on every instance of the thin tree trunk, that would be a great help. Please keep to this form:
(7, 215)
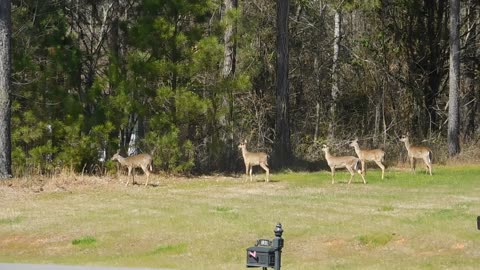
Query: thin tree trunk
(454, 80)
(228, 71)
(230, 43)
(383, 114)
(114, 39)
(335, 90)
(317, 121)
(282, 149)
(5, 89)
(471, 68)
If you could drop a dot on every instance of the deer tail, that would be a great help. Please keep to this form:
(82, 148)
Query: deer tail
(357, 166)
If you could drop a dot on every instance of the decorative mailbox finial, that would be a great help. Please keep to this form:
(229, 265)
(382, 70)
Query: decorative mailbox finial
(278, 230)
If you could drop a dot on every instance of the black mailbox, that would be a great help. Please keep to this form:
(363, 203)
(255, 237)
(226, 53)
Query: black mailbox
(267, 253)
(261, 255)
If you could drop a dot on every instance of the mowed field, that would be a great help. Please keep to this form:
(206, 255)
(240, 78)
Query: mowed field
(405, 221)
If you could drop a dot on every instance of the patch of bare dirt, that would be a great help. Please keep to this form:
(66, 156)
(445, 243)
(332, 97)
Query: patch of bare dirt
(459, 246)
(401, 241)
(336, 243)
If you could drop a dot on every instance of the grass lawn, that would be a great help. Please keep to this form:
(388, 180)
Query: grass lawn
(405, 221)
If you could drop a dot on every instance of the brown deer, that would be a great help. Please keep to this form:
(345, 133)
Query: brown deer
(348, 162)
(376, 155)
(416, 152)
(253, 159)
(143, 161)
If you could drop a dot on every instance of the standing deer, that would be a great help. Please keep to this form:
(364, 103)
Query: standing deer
(376, 155)
(348, 162)
(253, 159)
(143, 161)
(418, 152)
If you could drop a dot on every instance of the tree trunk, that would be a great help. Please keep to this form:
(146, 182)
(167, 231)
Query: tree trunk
(228, 71)
(5, 89)
(436, 21)
(454, 80)
(282, 155)
(471, 68)
(114, 40)
(230, 43)
(335, 90)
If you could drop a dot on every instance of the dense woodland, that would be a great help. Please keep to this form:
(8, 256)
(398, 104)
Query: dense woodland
(190, 79)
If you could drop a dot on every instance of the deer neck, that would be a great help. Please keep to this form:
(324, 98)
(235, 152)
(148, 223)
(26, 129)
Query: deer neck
(327, 155)
(407, 144)
(244, 152)
(357, 149)
(121, 160)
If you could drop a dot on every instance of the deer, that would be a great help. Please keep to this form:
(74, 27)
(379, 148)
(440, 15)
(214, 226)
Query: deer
(143, 161)
(376, 155)
(417, 152)
(254, 159)
(348, 162)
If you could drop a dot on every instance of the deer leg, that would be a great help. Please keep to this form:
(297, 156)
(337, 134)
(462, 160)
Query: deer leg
(267, 171)
(428, 165)
(379, 163)
(364, 169)
(133, 176)
(251, 172)
(147, 173)
(364, 181)
(246, 172)
(412, 164)
(350, 170)
(128, 177)
(333, 174)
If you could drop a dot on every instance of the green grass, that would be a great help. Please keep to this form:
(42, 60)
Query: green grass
(84, 241)
(375, 239)
(386, 208)
(10, 221)
(406, 221)
(173, 249)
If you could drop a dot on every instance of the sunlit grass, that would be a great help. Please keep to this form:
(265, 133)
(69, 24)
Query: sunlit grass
(406, 221)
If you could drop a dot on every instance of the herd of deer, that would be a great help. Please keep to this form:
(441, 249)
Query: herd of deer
(351, 163)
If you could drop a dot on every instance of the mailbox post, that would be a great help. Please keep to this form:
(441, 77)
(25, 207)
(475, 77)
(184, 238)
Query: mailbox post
(267, 253)
(278, 245)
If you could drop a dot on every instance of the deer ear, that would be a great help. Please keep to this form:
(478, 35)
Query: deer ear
(245, 141)
(118, 151)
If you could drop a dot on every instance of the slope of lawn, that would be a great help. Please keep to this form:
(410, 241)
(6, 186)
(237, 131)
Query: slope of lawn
(406, 221)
